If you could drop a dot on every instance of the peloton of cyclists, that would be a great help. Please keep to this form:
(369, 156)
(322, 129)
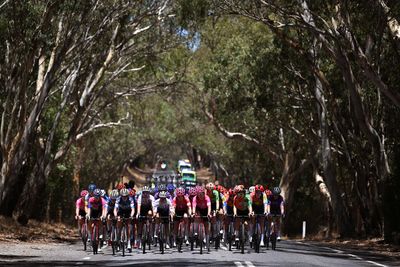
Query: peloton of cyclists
(211, 203)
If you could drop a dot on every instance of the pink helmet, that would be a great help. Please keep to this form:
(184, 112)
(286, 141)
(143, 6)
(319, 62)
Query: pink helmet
(180, 191)
(192, 191)
(199, 189)
(84, 193)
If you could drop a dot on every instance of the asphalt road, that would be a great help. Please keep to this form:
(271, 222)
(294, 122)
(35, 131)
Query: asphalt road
(288, 253)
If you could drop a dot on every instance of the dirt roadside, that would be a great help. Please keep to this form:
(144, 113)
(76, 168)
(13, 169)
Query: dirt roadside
(36, 232)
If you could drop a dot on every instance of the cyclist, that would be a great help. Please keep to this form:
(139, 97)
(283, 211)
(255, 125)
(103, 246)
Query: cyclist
(202, 207)
(192, 193)
(97, 209)
(228, 210)
(91, 189)
(80, 212)
(276, 208)
(145, 204)
(259, 205)
(124, 208)
(183, 209)
(214, 198)
(162, 208)
(171, 190)
(241, 207)
(110, 208)
(162, 188)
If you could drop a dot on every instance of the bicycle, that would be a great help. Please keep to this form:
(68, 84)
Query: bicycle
(162, 237)
(272, 233)
(95, 235)
(146, 232)
(230, 232)
(201, 233)
(124, 235)
(181, 233)
(216, 232)
(114, 236)
(242, 233)
(84, 232)
(257, 233)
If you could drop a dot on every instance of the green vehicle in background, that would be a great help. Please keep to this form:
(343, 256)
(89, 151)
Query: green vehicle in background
(188, 178)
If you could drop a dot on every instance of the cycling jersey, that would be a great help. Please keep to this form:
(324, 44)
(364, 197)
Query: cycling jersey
(214, 198)
(80, 204)
(146, 204)
(241, 203)
(163, 207)
(111, 206)
(181, 203)
(258, 202)
(96, 205)
(275, 204)
(201, 203)
(228, 204)
(124, 204)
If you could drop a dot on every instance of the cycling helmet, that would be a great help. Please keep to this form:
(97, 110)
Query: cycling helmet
(259, 188)
(252, 189)
(103, 192)
(114, 194)
(162, 187)
(180, 191)
(124, 192)
(162, 194)
(210, 186)
(199, 189)
(145, 189)
(276, 190)
(132, 192)
(239, 188)
(192, 191)
(268, 192)
(91, 188)
(120, 186)
(231, 192)
(97, 192)
(170, 187)
(84, 193)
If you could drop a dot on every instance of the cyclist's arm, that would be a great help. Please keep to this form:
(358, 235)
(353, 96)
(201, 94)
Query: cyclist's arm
(282, 207)
(132, 208)
(234, 210)
(217, 199)
(194, 203)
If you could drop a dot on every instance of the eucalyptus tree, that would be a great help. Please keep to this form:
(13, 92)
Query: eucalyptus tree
(59, 61)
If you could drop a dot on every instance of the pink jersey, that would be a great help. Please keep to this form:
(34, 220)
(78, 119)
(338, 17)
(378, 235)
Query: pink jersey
(201, 203)
(97, 204)
(80, 204)
(181, 203)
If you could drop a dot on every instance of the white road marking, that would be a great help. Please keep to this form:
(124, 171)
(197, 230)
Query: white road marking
(249, 264)
(86, 258)
(238, 264)
(351, 255)
(223, 247)
(377, 264)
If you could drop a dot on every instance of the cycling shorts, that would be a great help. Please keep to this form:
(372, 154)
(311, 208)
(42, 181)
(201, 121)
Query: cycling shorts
(124, 213)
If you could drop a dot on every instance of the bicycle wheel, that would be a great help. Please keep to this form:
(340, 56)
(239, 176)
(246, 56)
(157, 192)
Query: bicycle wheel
(181, 236)
(256, 238)
(113, 239)
(242, 238)
(217, 236)
(84, 234)
(201, 236)
(161, 238)
(230, 236)
(144, 237)
(94, 239)
(123, 239)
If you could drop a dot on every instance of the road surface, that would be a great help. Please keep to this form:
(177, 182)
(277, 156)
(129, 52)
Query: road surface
(288, 253)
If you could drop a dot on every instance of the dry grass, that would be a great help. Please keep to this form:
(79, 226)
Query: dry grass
(11, 231)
